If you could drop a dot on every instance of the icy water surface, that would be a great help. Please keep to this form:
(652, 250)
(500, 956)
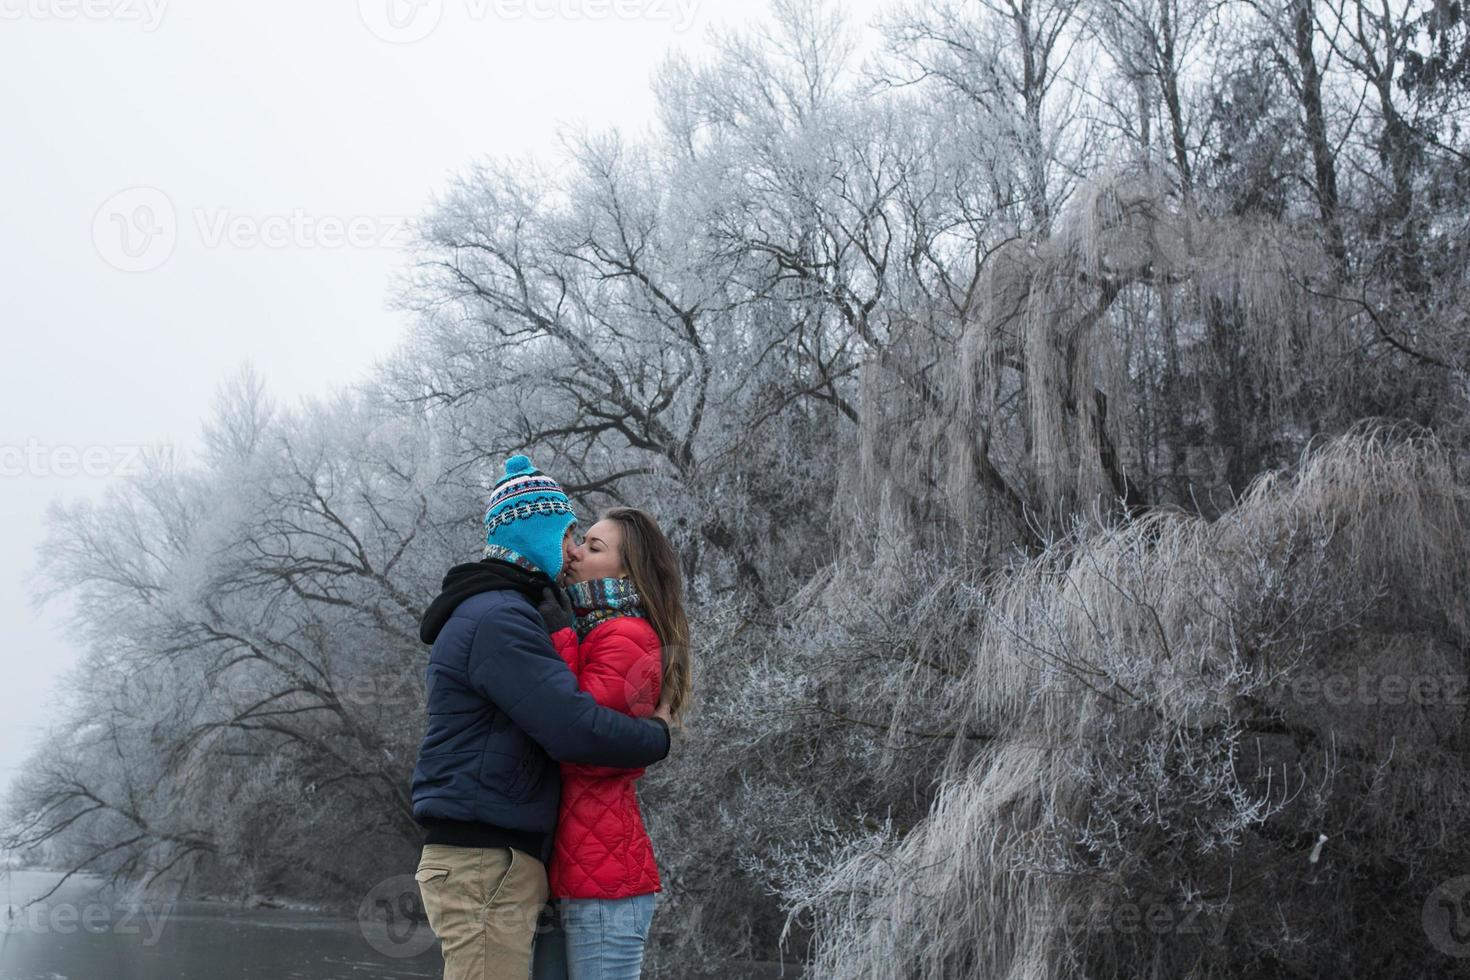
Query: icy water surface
(80, 934)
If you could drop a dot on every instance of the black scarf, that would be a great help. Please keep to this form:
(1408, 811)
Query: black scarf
(472, 578)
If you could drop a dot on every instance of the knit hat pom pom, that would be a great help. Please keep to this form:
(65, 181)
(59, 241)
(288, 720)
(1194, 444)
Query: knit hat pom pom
(518, 464)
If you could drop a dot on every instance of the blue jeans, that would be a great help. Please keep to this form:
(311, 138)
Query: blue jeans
(593, 938)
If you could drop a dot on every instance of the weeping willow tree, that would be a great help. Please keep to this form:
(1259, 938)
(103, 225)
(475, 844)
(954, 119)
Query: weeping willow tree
(1213, 748)
(1049, 407)
(1111, 664)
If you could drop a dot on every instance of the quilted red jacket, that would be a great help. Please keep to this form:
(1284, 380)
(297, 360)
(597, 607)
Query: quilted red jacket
(601, 848)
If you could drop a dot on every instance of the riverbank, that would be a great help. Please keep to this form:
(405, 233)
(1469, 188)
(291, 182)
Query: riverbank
(89, 929)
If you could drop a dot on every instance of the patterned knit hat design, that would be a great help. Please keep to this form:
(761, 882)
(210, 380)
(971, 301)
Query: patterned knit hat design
(529, 514)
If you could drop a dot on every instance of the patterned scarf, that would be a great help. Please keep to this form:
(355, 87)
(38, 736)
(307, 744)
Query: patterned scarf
(603, 598)
(513, 557)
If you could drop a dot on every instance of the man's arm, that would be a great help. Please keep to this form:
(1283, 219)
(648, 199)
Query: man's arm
(620, 666)
(513, 663)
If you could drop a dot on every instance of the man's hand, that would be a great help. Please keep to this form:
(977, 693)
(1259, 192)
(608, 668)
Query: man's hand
(555, 608)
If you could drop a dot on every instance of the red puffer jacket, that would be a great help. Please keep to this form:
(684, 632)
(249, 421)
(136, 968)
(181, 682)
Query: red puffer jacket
(601, 848)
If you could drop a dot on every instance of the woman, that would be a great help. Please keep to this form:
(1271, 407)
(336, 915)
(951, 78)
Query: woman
(630, 645)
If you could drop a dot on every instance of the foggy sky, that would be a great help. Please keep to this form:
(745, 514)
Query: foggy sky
(186, 185)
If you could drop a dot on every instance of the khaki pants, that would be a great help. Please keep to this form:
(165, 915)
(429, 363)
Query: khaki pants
(483, 904)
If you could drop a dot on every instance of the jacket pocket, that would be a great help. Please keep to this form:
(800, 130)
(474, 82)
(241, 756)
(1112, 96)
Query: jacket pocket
(528, 771)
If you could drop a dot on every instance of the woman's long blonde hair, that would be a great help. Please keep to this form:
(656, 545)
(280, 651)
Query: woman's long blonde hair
(654, 568)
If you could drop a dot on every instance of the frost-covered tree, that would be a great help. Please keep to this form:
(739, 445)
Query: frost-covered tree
(1026, 403)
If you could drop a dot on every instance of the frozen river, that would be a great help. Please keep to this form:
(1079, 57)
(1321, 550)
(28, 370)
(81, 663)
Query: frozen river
(80, 934)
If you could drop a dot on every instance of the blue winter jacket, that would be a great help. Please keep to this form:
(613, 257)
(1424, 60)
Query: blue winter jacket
(502, 707)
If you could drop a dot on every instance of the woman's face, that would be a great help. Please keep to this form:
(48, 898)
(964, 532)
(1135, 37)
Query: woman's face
(600, 555)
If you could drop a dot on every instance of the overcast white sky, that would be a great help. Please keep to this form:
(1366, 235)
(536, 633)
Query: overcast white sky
(187, 184)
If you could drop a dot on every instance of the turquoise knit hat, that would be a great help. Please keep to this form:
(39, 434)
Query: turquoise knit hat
(528, 515)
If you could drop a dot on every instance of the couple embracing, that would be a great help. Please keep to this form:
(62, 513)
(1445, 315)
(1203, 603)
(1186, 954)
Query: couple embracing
(544, 704)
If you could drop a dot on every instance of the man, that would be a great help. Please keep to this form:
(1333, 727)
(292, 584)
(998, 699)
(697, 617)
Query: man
(503, 709)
